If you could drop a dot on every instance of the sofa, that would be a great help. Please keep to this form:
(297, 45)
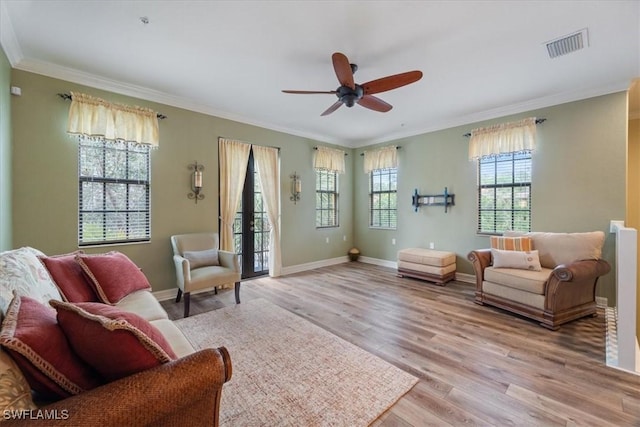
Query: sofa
(146, 372)
(547, 277)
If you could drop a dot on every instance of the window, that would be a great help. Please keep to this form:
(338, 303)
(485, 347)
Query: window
(113, 192)
(383, 198)
(504, 193)
(326, 198)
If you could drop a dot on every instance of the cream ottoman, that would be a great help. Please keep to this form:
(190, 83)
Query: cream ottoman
(427, 264)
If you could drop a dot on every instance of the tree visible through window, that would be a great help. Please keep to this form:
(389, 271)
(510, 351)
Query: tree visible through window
(504, 193)
(383, 198)
(113, 192)
(326, 198)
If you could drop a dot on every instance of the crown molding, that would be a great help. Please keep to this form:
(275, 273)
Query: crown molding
(99, 82)
(8, 39)
(534, 104)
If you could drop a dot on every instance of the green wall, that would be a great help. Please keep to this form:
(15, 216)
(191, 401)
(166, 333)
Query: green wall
(5, 153)
(45, 189)
(578, 183)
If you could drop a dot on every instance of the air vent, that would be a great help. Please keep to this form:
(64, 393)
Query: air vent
(567, 44)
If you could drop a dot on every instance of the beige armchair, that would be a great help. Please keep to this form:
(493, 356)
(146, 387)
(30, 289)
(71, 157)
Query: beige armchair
(201, 265)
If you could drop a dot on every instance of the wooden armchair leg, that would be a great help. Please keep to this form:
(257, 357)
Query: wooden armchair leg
(187, 299)
(237, 290)
(179, 296)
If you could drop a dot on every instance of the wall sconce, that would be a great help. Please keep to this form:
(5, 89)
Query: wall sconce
(196, 181)
(296, 187)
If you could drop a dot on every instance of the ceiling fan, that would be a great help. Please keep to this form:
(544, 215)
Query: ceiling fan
(350, 93)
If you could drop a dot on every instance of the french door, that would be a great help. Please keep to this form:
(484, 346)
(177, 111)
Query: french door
(251, 227)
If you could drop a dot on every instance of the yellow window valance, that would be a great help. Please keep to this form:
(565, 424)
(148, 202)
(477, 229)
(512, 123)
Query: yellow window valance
(513, 137)
(96, 118)
(381, 158)
(330, 159)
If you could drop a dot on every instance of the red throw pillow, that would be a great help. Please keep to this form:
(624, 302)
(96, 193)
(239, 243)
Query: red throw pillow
(32, 337)
(69, 277)
(114, 342)
(113, 275)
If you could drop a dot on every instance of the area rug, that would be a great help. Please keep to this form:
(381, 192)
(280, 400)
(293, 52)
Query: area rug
(289, 372)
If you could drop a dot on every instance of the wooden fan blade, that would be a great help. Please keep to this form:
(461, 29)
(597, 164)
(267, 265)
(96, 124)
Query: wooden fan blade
(343, 70)
(331, 109)
(374, 103)
(391, 82)
(310, 91)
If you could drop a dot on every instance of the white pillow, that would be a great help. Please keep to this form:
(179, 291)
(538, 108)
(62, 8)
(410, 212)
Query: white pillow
(199, 259)
(564, 248)
(516, 259)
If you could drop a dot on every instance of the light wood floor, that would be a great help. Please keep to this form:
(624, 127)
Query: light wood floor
(477, 365)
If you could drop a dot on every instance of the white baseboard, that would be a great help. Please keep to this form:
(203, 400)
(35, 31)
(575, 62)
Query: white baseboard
(165, 294)
(313, 265)
(377, 261)
(466, 278)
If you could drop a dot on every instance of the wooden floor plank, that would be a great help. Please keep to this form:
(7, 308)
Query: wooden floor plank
(476, 365)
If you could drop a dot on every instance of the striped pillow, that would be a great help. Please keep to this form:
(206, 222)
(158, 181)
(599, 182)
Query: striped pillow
(522, 244)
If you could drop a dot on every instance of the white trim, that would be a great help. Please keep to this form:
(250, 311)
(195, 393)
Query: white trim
(466, 278)
(377, 261)
(534, 104)
(313, 265)
(165, 294)
(100, 82)
(8, 38)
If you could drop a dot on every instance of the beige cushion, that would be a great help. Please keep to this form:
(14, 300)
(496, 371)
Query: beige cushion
(144, 304)
(438, 271)
(516, 259)
(199, 259)
(523, 297)
(180, 345)
(525, 280)
(564, 248)
(427, 256)
(15, 393)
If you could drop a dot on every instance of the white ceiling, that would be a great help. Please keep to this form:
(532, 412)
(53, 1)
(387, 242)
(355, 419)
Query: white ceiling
(480, 59)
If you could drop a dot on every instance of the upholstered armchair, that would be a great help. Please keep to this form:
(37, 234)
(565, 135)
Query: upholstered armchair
(201, 265)
(553, 281)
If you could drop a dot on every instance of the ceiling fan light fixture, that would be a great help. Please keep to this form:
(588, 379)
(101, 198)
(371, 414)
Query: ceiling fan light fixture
(349, 93)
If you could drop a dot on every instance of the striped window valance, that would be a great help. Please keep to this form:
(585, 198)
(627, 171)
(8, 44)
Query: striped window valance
(381, 158)
(329, 159)
(513, 137)
(96, 118)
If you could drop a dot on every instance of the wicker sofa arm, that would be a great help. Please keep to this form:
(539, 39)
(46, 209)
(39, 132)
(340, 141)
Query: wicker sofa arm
(571, 285)
(186, 391)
